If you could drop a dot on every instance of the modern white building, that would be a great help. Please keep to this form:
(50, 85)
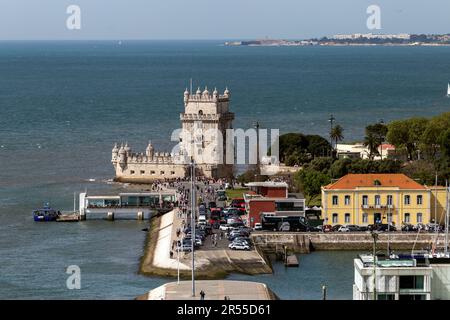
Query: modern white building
(401, 278)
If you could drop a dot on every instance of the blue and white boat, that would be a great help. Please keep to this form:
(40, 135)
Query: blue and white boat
(45, 214)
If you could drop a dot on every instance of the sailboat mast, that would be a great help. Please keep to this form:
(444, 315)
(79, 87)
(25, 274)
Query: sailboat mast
(446, 217)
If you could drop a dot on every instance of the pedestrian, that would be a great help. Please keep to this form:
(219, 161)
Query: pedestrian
(202, 295)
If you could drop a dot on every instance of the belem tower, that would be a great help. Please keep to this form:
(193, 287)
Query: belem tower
(204, 112)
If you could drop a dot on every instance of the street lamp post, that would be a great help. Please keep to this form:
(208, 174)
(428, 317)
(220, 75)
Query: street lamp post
(193, 223)
(331, 120)
(256, 126)
(375, 238)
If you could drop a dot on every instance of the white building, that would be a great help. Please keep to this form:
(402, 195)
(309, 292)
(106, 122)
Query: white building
(402, 278)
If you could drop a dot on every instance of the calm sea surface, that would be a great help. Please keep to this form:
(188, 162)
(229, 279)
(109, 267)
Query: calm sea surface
(63, 105)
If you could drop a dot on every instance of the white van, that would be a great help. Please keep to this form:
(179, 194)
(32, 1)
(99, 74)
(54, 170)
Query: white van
(202, 219)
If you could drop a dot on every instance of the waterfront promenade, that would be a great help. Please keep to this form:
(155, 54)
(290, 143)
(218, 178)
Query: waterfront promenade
(214, 290)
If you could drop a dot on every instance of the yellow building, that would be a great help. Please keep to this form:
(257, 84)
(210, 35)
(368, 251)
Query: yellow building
(438, 203)
(364, 199)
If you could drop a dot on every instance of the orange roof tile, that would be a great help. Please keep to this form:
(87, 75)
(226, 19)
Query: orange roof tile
(352, 181)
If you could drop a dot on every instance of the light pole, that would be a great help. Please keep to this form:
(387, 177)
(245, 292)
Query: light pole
(375, 238)
(258, 169)
(178, 263)
(193, 223)
(331, 120)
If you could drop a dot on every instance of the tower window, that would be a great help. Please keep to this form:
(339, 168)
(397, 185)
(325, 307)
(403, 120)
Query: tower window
(200, 112)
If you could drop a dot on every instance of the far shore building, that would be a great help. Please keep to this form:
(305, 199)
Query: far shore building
(204, 112)
(358, 150)
(364, 199)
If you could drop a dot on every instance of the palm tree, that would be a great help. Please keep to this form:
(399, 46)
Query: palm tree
(336, 134)
(372, 142)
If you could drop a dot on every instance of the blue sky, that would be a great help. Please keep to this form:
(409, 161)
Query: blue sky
(213, 19)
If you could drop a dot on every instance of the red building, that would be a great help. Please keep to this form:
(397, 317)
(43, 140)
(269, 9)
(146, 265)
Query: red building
(273, 198)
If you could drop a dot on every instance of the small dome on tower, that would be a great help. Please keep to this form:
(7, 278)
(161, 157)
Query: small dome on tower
(199, 92)
(227, 92)
(115, 149)
(122, 149)
(206, 92)
(186, 92)
(127, 147)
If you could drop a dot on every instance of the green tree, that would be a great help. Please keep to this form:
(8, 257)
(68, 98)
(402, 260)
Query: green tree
(318, 146)
(310, 181)
(337, 134)
(371, 141)
(339, 168)
(375, 136)
(290, 143)
(322, 164)
(407, 134)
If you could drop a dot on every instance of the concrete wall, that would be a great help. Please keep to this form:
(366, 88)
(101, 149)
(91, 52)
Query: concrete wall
(440, 282)
(303, 242)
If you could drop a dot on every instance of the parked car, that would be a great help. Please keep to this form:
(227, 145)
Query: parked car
(258, 226)
(349, 228)
(225, 227)
(433, 227)
(407, 227)
(336, 227)
(238, 246)
(382, 227)
(185, 247)
(211, 204)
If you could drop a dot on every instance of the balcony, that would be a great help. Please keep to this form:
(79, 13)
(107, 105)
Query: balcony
(377, 206)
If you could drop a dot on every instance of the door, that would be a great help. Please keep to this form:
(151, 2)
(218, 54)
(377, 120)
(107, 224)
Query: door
(377, 218)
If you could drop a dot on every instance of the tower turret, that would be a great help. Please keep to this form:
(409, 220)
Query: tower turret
(186, 96)
(149, 152)
(122, 156)
(115, 153)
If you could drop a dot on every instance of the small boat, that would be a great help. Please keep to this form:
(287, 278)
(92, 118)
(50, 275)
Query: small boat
(448, 90)
(45, 214)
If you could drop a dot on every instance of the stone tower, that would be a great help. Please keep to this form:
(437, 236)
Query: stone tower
(204, 122)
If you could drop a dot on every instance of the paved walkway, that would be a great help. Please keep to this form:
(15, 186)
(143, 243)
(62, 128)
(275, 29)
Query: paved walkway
(167, 231)
(214, 290)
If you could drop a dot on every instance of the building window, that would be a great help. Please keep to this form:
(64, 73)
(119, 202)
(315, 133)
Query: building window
(142, 172)
(172, 172)
(419, 217)
(377, 200)
(347, 218)
(365, 200)
(335, 200)
(347, 200)
(335, 218)
(389, 200)
(412, 282)
(419, 199)
(407, 218)
(161, 173)
(152, 172)
(131, 171)
(365, 218)
(407, 199)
